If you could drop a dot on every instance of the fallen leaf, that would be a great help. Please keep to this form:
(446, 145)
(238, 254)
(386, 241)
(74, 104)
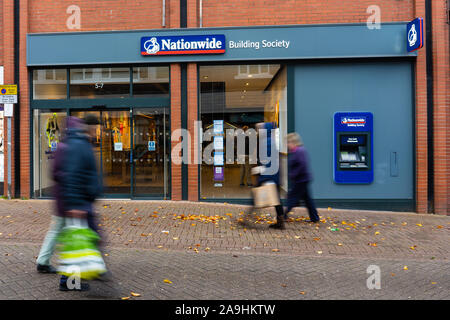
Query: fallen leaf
(167, 281)
(404, 223)
(319, 252)
(275, 250)
(159, 247)
(284, 285)
(316, 239)
(392, 274)
(413, 247)
(302, 292)
(372, 244)
(175, 238)
(405, 268)
(135, 294)
(439, 227)
(106, 254)
(377, 232)
(125, 298)
(296, 237)
(434, 283)
(339, 244)
(143, 234)
(419, 225)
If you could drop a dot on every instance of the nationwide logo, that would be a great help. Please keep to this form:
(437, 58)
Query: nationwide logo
(346, 120)
(170, 45)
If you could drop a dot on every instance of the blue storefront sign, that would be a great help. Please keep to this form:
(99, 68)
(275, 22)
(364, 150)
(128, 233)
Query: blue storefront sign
(188, 44)
(414, 34)
(353, 147)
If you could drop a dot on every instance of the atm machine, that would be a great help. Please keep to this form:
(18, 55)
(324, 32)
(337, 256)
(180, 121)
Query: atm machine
(353, 147)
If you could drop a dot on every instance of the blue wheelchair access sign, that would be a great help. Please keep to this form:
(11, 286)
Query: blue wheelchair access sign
(151, 146)
(414, 35)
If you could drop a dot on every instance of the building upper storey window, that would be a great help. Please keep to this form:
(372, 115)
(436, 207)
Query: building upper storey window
(50, 84)
(151, 81)
(88, 83)
(105, 82)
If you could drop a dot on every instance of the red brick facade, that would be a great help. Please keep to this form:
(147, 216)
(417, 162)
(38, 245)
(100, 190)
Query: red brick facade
(41, 16)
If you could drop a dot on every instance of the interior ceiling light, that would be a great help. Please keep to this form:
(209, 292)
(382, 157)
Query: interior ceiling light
(247, 83)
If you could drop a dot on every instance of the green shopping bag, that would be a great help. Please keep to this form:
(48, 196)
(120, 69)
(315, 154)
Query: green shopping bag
(78, 252)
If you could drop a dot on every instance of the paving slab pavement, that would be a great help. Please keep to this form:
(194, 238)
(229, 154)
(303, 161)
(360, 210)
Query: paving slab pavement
(209, 254)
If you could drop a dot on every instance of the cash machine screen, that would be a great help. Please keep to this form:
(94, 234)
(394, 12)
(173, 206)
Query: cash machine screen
(353, 152)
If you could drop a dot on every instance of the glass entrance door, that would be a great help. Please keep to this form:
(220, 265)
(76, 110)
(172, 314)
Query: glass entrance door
(112, 148)
(133, 152)
(151, 146)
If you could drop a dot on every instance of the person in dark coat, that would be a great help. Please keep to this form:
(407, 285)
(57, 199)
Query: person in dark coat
(270, 172)
(300, 177)
(77, 184)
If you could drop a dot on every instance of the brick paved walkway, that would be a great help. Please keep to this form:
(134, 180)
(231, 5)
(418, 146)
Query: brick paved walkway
(207, 254)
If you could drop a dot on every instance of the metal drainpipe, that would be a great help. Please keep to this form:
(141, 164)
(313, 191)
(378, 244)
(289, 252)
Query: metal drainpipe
(430, 104)
(164, 13)
(201, 14)
(17, 106)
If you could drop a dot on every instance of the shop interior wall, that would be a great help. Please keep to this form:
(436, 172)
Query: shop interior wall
(276, 110)
(383, 88)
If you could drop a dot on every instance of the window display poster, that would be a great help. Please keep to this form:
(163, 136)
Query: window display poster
(218, 174)
(218, 158)
(151, 146)
(218, 142)
(218, 126)
(118, 146)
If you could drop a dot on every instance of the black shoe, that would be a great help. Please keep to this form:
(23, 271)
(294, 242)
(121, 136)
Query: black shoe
(105, 277)
(83, 287)
(312, 221)
(278, 225)
(45, 269)
(242, 185)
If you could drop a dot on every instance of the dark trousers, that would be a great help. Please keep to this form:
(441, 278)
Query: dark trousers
(300, 191)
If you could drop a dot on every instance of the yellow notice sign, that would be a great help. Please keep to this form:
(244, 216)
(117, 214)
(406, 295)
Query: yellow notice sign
(10, 89)
(8, 93)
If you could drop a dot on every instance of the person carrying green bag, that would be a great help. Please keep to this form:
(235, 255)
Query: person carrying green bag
(79, 185)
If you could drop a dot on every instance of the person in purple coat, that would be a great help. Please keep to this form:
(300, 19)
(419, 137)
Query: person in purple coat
(300, 177)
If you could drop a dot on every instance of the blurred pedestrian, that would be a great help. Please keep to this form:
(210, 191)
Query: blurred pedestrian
(300, 177)
(78, 181)
(269, 173)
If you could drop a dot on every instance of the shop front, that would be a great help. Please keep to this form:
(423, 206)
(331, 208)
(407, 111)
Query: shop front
(132, 143)
(298, 77)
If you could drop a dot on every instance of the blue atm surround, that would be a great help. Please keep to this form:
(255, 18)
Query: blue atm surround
(353, 147)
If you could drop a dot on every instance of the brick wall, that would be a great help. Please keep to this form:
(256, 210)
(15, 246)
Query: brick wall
(51, 16)
(421, 122)
(8, 63)
(256, 12)
(441, 94)
(1, 33)
(192, 117)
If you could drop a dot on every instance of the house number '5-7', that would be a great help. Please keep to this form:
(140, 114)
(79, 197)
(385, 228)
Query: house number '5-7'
(98, 85)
